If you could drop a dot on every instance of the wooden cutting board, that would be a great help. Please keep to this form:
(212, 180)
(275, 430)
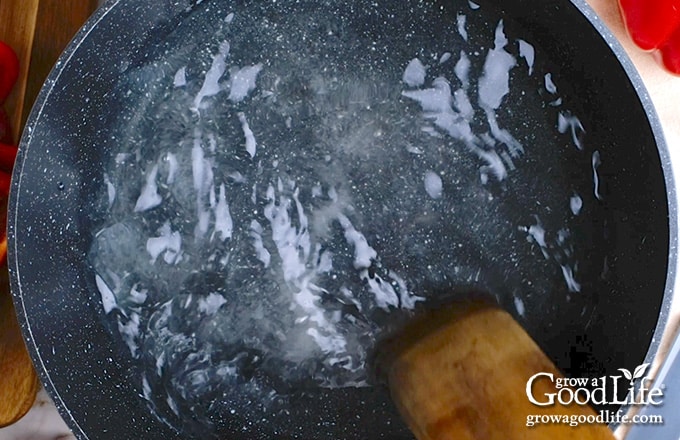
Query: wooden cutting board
(38, 31)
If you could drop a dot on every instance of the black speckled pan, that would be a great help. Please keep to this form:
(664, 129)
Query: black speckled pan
(554, 195)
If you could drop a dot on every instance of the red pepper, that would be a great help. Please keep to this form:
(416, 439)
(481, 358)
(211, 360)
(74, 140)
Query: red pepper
(654, 25)
(670, 52)
(3, 251)
(9, 70)
(8, 154)
(4, 183)
(5, 128)
(5, 179)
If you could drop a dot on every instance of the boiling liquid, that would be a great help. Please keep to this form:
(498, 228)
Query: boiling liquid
(297, 185)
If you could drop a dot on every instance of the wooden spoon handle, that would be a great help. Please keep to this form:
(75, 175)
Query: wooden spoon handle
(18, 381)
(462, 374)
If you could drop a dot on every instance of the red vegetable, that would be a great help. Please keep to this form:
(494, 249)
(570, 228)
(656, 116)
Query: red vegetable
(8, 154)
(670, 52)
(654, 25)
(4, 183)
(9, 70)
(4, 195)
(5, 128)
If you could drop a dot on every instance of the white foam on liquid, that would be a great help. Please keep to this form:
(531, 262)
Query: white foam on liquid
(211, 85)
(549, 84)
(494, 83)
(211, 303)
(149, 197)
(575, 203)
(433, 185)
(242, 82)
(108, 298)
(596, 162)
(527, 52)
(260, 251)
(224, 225)
(460, 25)
(168, 243)
(251, 143)
(568, 122)
(180, 79)
(414, 74)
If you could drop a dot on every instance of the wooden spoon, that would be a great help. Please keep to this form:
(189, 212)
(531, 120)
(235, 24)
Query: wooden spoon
(461, 373)
(18, 382)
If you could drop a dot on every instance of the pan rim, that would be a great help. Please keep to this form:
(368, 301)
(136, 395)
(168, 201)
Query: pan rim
(671, 282)
(653, 355)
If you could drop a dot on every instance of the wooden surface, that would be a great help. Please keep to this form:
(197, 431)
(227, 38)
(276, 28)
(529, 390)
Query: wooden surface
(18, 18)
(53, 31)
(38, 31)
(18, 381)
(461, 373)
